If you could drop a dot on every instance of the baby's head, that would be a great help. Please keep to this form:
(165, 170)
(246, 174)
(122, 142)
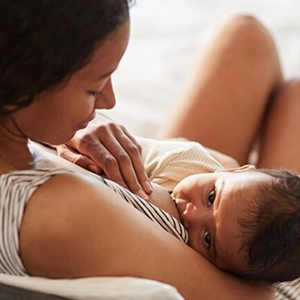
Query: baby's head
(271, 233)
(246, 222)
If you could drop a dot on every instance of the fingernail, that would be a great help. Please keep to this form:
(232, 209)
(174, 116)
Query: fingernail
(148, 187)
(142, 194)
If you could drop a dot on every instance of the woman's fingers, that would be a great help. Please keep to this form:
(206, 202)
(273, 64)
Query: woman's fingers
(111, 148)
(132, 160)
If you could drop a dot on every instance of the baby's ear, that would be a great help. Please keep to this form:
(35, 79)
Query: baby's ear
(239, 169)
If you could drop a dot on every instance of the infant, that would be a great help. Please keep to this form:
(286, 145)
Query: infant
(245, 221)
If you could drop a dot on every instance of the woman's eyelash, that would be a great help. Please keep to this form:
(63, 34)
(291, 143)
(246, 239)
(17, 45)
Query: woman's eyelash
(95, 94)
(211, 197)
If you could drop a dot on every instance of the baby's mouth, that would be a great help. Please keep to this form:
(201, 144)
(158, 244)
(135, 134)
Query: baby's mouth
(181, 206)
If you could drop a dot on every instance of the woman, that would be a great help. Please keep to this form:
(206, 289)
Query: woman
(56, 63)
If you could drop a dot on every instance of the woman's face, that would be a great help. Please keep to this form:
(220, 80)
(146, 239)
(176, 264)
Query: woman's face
(210, 206)
(54, 116)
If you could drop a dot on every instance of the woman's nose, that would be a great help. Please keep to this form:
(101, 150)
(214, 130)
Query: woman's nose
(108, 99)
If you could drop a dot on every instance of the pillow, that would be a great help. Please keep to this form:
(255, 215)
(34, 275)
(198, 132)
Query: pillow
(108, 288)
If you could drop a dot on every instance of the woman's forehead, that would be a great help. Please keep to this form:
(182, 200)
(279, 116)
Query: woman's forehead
(107, 55)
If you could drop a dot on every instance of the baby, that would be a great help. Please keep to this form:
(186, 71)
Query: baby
(245, 221)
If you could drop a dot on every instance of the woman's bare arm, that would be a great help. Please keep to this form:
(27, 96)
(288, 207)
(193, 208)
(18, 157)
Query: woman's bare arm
(75, 227)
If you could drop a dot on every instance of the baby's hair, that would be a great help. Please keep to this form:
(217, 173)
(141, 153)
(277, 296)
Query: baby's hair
(42, 43)
(272, 230)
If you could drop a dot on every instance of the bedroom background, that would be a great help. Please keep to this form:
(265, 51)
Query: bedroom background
(166, 39)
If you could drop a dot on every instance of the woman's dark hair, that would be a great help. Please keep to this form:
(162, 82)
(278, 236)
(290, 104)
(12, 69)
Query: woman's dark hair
(43, 42)
(271, 230)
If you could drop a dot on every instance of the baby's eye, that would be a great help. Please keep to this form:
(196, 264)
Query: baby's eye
(211, 198)
(95, 94)
(207, 239)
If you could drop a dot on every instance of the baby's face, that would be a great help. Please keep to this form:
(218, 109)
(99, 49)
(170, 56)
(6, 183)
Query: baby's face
(210, 205)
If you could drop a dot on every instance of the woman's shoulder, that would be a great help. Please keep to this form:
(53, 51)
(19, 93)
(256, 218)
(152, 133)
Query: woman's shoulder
(18, 183)
(58, 219)
(21, 185)
(41, 174)
(19, 189)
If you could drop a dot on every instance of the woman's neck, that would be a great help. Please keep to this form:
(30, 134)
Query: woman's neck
(15, 157)
(14, 151)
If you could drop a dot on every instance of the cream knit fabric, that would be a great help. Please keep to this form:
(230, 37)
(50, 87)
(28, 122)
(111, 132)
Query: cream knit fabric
(169, 161)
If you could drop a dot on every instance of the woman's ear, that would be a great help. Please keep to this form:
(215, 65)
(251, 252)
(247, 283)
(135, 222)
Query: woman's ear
(239, 169)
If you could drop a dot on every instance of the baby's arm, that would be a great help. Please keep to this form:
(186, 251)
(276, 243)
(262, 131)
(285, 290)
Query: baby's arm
(227, 161)
(169, 161)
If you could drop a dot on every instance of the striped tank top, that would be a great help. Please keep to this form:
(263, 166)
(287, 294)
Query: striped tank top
(16, 189)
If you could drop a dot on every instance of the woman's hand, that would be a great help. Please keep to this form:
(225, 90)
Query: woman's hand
(105, 147)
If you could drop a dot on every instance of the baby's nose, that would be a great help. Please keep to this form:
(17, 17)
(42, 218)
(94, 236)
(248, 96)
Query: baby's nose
(192, 216)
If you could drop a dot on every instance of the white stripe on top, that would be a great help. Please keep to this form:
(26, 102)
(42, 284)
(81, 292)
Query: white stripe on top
(159, 216)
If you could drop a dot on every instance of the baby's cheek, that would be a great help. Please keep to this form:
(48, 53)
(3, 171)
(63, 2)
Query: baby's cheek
(195, 243)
